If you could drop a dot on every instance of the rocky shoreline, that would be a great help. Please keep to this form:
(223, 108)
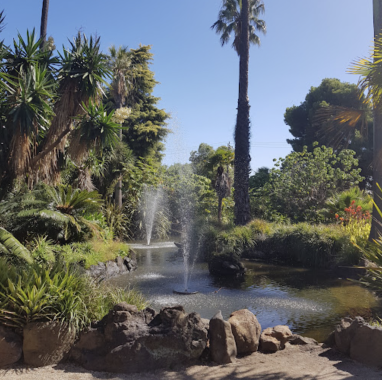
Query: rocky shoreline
(130, 341)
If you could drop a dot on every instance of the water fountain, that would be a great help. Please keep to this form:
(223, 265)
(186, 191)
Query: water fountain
(185, 194)
(152, 198)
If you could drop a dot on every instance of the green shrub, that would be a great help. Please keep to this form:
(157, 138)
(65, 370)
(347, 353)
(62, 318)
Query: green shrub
(299, 244)
(310, 245)
(59, 292)
(92, 252)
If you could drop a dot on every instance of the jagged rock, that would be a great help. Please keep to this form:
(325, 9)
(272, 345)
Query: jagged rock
(120, 265)
(222, 342)
(46, 343)
(226, 265)
(129, 341)
(11, 347)
(360, 340)
(344, 333)
(246, 329)
(279, 334)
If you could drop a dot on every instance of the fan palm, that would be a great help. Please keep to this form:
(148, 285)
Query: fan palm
(229, 21)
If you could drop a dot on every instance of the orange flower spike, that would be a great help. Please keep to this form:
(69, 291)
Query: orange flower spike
(336, 216)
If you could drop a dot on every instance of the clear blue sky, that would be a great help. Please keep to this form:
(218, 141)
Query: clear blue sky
(307, 41)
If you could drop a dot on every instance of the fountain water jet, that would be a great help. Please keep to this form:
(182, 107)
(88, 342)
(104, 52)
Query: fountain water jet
(152, 198)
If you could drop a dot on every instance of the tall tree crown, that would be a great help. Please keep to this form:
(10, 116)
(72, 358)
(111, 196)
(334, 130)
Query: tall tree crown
(229, 22)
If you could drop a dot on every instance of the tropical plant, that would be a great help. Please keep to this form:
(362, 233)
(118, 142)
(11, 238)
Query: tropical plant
(120, 64)
(12, 249)
(58, 212)
(229, 21)
(339, 201)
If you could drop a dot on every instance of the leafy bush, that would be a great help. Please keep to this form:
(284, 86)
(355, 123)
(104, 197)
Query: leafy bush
(299, 244)
(301, 182)
(310, 245)
(43, 293)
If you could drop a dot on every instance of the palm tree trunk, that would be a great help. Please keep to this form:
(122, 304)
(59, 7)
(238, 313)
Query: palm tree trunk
(220, 205)
(44, 22)
(242, 159)
(118, 186)
(376, 225)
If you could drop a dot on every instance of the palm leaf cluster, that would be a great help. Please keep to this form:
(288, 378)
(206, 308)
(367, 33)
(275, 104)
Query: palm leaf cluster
(229, 22)
(42, 100)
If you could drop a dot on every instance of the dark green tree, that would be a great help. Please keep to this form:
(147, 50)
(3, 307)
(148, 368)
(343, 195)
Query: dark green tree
(259, 179)
(145, 129)
(333, 114)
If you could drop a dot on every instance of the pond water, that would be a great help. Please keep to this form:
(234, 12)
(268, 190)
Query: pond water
(310, 302)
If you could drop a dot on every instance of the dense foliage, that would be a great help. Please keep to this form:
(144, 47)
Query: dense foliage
(300, 183)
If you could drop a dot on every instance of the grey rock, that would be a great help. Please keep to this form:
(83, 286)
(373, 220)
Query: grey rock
(11, 347)
(360, 341)
(129, 341)
(222, 342)
(46, 343)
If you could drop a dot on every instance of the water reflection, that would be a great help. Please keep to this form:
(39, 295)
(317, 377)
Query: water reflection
(310, 302)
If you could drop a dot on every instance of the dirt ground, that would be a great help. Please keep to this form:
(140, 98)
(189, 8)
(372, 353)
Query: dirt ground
(290, 364)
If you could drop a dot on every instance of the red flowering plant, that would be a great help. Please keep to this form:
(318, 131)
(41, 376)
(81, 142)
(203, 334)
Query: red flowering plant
(356, 222)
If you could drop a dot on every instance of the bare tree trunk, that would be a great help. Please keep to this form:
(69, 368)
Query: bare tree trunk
(376, 225)
(242, 159)
(118, 186)
(44, 22)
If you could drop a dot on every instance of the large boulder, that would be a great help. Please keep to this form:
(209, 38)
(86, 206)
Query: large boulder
(360, 340)
(11, 347)
(225, 265)
(274, 338)
(128, 340)
(246, 329)
(46, 343)
(222, 342)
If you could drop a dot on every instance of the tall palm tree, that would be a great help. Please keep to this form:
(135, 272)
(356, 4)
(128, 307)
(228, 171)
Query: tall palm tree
(44, 22)
(242, 211)
(240, 17)
(120, 64)
(229, 21)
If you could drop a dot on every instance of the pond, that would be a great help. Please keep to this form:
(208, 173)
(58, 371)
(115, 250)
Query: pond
(310, 302)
